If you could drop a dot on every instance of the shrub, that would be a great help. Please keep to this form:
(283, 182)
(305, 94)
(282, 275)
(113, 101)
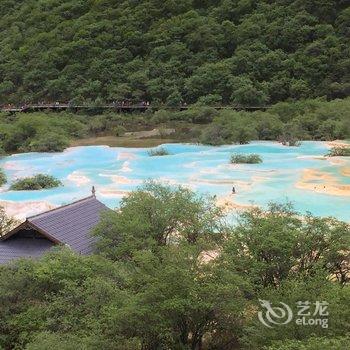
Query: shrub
(339, 151)
(2, 177)
(40, 132)
(210, 100)
(158, 152)
(296, 130)
(245, 158)
(37, 182)
(214, 135)
(161, 116)
(49, 143)
(293, 143)
(98, 124)
(119, 130)
(202, 115)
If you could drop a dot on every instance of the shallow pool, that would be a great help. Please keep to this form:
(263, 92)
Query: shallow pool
(295, 174)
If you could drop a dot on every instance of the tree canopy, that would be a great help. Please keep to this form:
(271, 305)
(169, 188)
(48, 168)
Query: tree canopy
(171, 273)
(238, 52)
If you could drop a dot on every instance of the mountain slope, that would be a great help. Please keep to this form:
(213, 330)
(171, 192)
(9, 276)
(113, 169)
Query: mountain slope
(232, 51)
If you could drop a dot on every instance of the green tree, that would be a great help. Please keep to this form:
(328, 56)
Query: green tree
(174, 99)
(272, 246)
(246, 94)
(156, 215)
(34, 183)
(178, 300)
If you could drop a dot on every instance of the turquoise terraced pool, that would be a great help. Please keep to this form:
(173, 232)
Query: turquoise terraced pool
(283, 176)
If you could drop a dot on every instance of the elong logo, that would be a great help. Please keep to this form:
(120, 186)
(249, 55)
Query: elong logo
(283, 314)
(274, 315)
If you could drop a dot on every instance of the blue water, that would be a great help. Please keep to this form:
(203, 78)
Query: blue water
(206, 169)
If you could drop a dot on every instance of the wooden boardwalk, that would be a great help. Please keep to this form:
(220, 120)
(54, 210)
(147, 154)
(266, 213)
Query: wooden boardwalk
(113, 107)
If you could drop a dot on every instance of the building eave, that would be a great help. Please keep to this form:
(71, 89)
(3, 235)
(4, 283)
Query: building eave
(25, 225)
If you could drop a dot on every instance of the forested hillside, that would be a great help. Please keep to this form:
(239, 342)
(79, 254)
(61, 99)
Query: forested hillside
(248, 52)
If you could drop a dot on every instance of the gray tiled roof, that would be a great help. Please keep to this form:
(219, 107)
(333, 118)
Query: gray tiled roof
(15, 248)
(72, 224)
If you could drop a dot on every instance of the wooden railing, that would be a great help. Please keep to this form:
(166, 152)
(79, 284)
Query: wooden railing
(113, 106)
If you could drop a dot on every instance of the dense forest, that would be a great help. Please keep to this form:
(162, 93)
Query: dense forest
(170, 273)
(244, 52)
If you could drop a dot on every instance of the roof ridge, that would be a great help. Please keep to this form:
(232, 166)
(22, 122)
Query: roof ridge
(61, 207)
